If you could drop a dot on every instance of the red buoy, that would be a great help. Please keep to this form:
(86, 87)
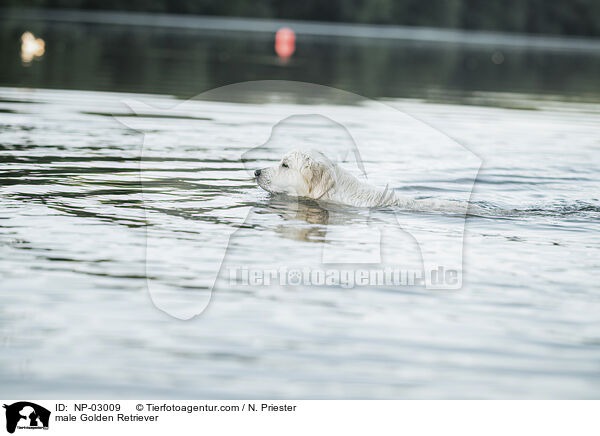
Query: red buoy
(285, 42)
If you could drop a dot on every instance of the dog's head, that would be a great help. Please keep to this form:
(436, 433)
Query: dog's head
(302, 173)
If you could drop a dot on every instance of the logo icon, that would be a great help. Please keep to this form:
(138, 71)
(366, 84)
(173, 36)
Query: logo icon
(26, 415)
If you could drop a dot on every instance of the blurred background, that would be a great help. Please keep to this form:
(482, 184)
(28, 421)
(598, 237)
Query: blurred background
(444, 50)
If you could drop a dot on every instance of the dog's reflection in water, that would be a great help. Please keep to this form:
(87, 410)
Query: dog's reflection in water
(307, 220)
(304, 220)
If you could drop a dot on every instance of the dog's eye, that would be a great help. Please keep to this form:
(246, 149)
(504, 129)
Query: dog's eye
(284, 165)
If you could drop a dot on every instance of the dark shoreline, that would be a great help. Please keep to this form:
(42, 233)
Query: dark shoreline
(307, 28)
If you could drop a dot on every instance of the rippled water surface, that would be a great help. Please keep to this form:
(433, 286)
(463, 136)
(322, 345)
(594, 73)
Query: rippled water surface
(99, 214)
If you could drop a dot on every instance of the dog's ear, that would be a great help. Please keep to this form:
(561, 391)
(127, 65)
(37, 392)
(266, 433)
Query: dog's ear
(319, 177)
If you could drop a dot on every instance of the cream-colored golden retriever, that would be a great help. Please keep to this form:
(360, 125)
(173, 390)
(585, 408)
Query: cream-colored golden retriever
(310, 174)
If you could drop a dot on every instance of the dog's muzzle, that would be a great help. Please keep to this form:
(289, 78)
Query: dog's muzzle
(257, 173)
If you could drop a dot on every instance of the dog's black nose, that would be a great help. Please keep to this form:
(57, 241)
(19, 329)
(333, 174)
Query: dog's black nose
(257, 173)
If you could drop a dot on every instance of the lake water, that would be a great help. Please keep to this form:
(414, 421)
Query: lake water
(113, 226)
